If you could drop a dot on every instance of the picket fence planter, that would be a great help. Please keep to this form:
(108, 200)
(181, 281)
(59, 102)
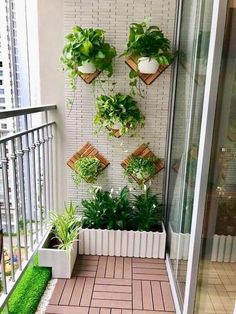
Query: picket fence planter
(122, 243)
(223, 248)
(61, 261)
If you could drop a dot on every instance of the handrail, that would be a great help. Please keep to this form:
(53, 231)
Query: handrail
(15, 135)
(24, 111)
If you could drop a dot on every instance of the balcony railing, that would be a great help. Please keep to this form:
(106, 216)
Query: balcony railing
(26, 191)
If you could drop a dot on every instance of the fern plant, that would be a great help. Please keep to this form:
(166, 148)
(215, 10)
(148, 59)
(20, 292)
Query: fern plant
(87, 169)
(65, 227)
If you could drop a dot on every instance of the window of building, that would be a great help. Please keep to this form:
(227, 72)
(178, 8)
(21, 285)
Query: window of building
(2, 100)
(3, 125)
(1, 91)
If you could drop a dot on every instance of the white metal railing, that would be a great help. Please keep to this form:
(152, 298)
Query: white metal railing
(27, 160)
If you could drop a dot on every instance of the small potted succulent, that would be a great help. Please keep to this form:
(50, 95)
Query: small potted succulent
(149, 47)
(118, 113)
(59, 250)
(141, 168)
(87, 169)
(85, 52)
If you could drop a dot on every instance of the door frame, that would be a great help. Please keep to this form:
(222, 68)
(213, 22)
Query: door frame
(207, 125)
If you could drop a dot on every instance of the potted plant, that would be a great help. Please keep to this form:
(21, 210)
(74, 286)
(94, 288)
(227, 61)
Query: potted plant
(149, 47)
(59, 250)
(87, 169)
(85, 52)
(118, 113)
(141, 168)
(113, 225)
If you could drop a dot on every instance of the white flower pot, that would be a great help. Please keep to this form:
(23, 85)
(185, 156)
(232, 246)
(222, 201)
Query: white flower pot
(122, 243)
(87, 67)
(147, 65)
(61, 261)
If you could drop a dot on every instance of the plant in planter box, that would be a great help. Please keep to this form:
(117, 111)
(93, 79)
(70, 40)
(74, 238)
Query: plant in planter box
(85, 52)
(106, 211)
(59, 249)
(87, 169)
(148, 212)
(118, 113)
(141, 168)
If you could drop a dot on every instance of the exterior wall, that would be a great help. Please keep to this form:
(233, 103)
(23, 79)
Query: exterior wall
(115, 17)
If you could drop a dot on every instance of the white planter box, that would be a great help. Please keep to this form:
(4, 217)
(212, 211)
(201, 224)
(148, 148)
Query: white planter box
(62, 262)
(122, 243)
(223, 248)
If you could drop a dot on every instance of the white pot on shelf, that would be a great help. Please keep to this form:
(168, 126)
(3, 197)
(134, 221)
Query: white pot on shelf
(147, 65)
(87, 67)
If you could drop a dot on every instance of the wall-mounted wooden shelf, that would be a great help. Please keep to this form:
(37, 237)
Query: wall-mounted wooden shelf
(148, 79)
(88, 78)
(116, 132)
(143, 151)
(87, 150)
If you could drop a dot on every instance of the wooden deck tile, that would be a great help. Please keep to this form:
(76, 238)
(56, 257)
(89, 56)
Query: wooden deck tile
(87, 292)
(56, 296)
(77, 292)
(167, 296)
(67, 292)
(115, 285)
(147, 295)
(119, 267)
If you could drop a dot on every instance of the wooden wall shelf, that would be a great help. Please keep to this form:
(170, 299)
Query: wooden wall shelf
(87, 150)
(88, 78)
(148, 79)
(143, 151)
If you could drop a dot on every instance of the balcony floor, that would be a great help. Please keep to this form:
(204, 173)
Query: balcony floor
(115, 285)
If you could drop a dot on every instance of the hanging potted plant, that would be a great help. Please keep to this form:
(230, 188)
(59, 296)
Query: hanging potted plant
(87, 169)
(141, 168)
(149, 47)
(118, 113)
(85, 52)
(114, 225)
(59, 250)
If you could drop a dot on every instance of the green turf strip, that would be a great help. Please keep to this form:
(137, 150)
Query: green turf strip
(28, 292)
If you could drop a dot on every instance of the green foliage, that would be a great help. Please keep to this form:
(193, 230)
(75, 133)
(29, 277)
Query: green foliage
(118, 109)
(148, 41)
(148, 211)
(86, 44)
(28, 292)
(65, 227)
(141, 167)
(106, 211)
(87, 169)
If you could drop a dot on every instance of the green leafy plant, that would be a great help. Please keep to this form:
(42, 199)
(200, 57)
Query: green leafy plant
(86, 44)
(118, 111)
(106, 211)
(142, 168)
(147, 41)
(87, 169)
(65, 227)
(148, 211)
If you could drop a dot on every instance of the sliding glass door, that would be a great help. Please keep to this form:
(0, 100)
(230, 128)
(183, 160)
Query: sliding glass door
(188, 103)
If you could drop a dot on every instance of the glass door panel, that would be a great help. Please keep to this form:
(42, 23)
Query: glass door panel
(193, 53)
(216, 291)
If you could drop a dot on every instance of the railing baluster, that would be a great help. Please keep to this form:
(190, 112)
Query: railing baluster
(20, 154)
(7, 204)
(39, 180)
(51, 181)
(3, 275)
(26, 150)
(34, 185)
(44, 178)
(15, 197)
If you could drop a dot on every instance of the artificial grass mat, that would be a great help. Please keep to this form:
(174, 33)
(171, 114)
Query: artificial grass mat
(28, 292)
